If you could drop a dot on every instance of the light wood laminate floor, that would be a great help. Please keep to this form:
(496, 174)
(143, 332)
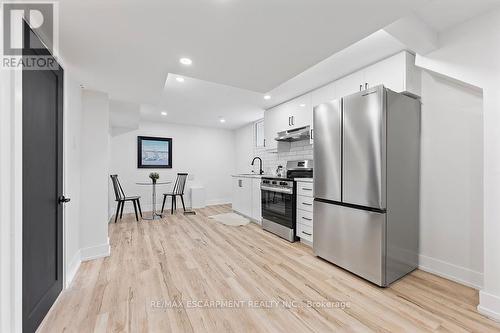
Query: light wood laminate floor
(180, 259)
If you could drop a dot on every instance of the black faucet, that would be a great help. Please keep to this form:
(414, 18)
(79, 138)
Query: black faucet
(260, 169)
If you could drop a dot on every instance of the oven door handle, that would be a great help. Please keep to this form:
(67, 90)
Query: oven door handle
(274, 189)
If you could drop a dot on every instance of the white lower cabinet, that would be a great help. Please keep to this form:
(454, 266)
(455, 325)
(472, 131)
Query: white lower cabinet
(256, 200)
(305, 211)
(247, 197)
(242, 195)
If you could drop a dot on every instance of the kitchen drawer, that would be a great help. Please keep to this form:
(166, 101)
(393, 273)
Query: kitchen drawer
(305, 232)
(305, 203)
(305, 217)
(305, 189)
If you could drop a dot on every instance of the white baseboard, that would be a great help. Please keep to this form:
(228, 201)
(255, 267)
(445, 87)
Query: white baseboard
(73, 268)
(147, 207)
(213, 202)
(489, 305)
(452, 272)
(95, 252)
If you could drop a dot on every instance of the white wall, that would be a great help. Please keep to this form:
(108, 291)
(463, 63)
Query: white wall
(207, 154)
(244, 148)
(72, 160)
(451, 199)
(94, 169)
(471, 53)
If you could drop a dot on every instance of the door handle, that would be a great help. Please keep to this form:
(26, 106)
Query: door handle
(312, 134)
(293, 120)
(360, 87)
(307, 219)
(63, 199)
(366, 85)
(307, 189)
(306, 233)
(307, 204)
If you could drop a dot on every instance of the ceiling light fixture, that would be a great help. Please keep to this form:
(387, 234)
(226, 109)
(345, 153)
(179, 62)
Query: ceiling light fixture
(185, 61)
(302, 105)
(222, 120)
(163, 113)
(179, 79)
(267, 97)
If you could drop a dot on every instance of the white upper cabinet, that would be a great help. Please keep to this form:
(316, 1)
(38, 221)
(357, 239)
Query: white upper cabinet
(292, 114)
(350, 84)
(300, 111)
(324, 94)
(270, 122)
(397, 73)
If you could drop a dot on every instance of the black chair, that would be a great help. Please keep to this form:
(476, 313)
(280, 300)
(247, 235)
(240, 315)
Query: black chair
(121, 199)
(177, 190)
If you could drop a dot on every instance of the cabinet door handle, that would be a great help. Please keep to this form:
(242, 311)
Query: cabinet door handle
(360, 87)
(240, 183)
(306, 233)
(366, 85)
(312, 134)
(289, 121)
(307, 189)
(307, 219)
(307, 204)
(264, 142)
(293, 120)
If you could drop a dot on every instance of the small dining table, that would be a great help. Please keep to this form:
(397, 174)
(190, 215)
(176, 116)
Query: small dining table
(154, 214)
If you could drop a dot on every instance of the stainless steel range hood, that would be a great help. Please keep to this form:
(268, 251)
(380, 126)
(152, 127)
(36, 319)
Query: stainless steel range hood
(296, 134)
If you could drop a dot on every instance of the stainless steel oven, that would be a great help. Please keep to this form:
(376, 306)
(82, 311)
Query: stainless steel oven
(278, 207)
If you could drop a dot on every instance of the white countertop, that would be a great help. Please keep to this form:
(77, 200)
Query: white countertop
(304, 180)
(249, 175)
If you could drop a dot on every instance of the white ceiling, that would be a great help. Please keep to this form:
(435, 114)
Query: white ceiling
(240, 49)
(443, 14)
(197, 102)
(127, 47)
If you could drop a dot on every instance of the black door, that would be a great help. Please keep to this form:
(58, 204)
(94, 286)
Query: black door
(42, 186)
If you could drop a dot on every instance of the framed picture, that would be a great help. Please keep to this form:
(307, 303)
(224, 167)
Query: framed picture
(154, 153)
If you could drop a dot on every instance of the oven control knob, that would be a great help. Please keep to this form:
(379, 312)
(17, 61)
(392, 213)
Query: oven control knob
(283, 183)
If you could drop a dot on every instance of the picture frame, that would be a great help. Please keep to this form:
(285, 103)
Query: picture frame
(154, 152)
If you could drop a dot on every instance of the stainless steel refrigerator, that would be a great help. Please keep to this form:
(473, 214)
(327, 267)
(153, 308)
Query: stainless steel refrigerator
(366, 183)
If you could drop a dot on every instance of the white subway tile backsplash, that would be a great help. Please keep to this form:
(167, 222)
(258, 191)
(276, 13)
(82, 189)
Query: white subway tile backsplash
(298, 150)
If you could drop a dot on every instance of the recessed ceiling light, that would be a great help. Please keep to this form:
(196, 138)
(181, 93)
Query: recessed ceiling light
(302, 105)
(267, 97)
(222, 120)
(163, 113)
(179, 79)
(185, 61)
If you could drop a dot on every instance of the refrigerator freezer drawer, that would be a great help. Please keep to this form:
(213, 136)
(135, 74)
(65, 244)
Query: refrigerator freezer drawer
(353, 239)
